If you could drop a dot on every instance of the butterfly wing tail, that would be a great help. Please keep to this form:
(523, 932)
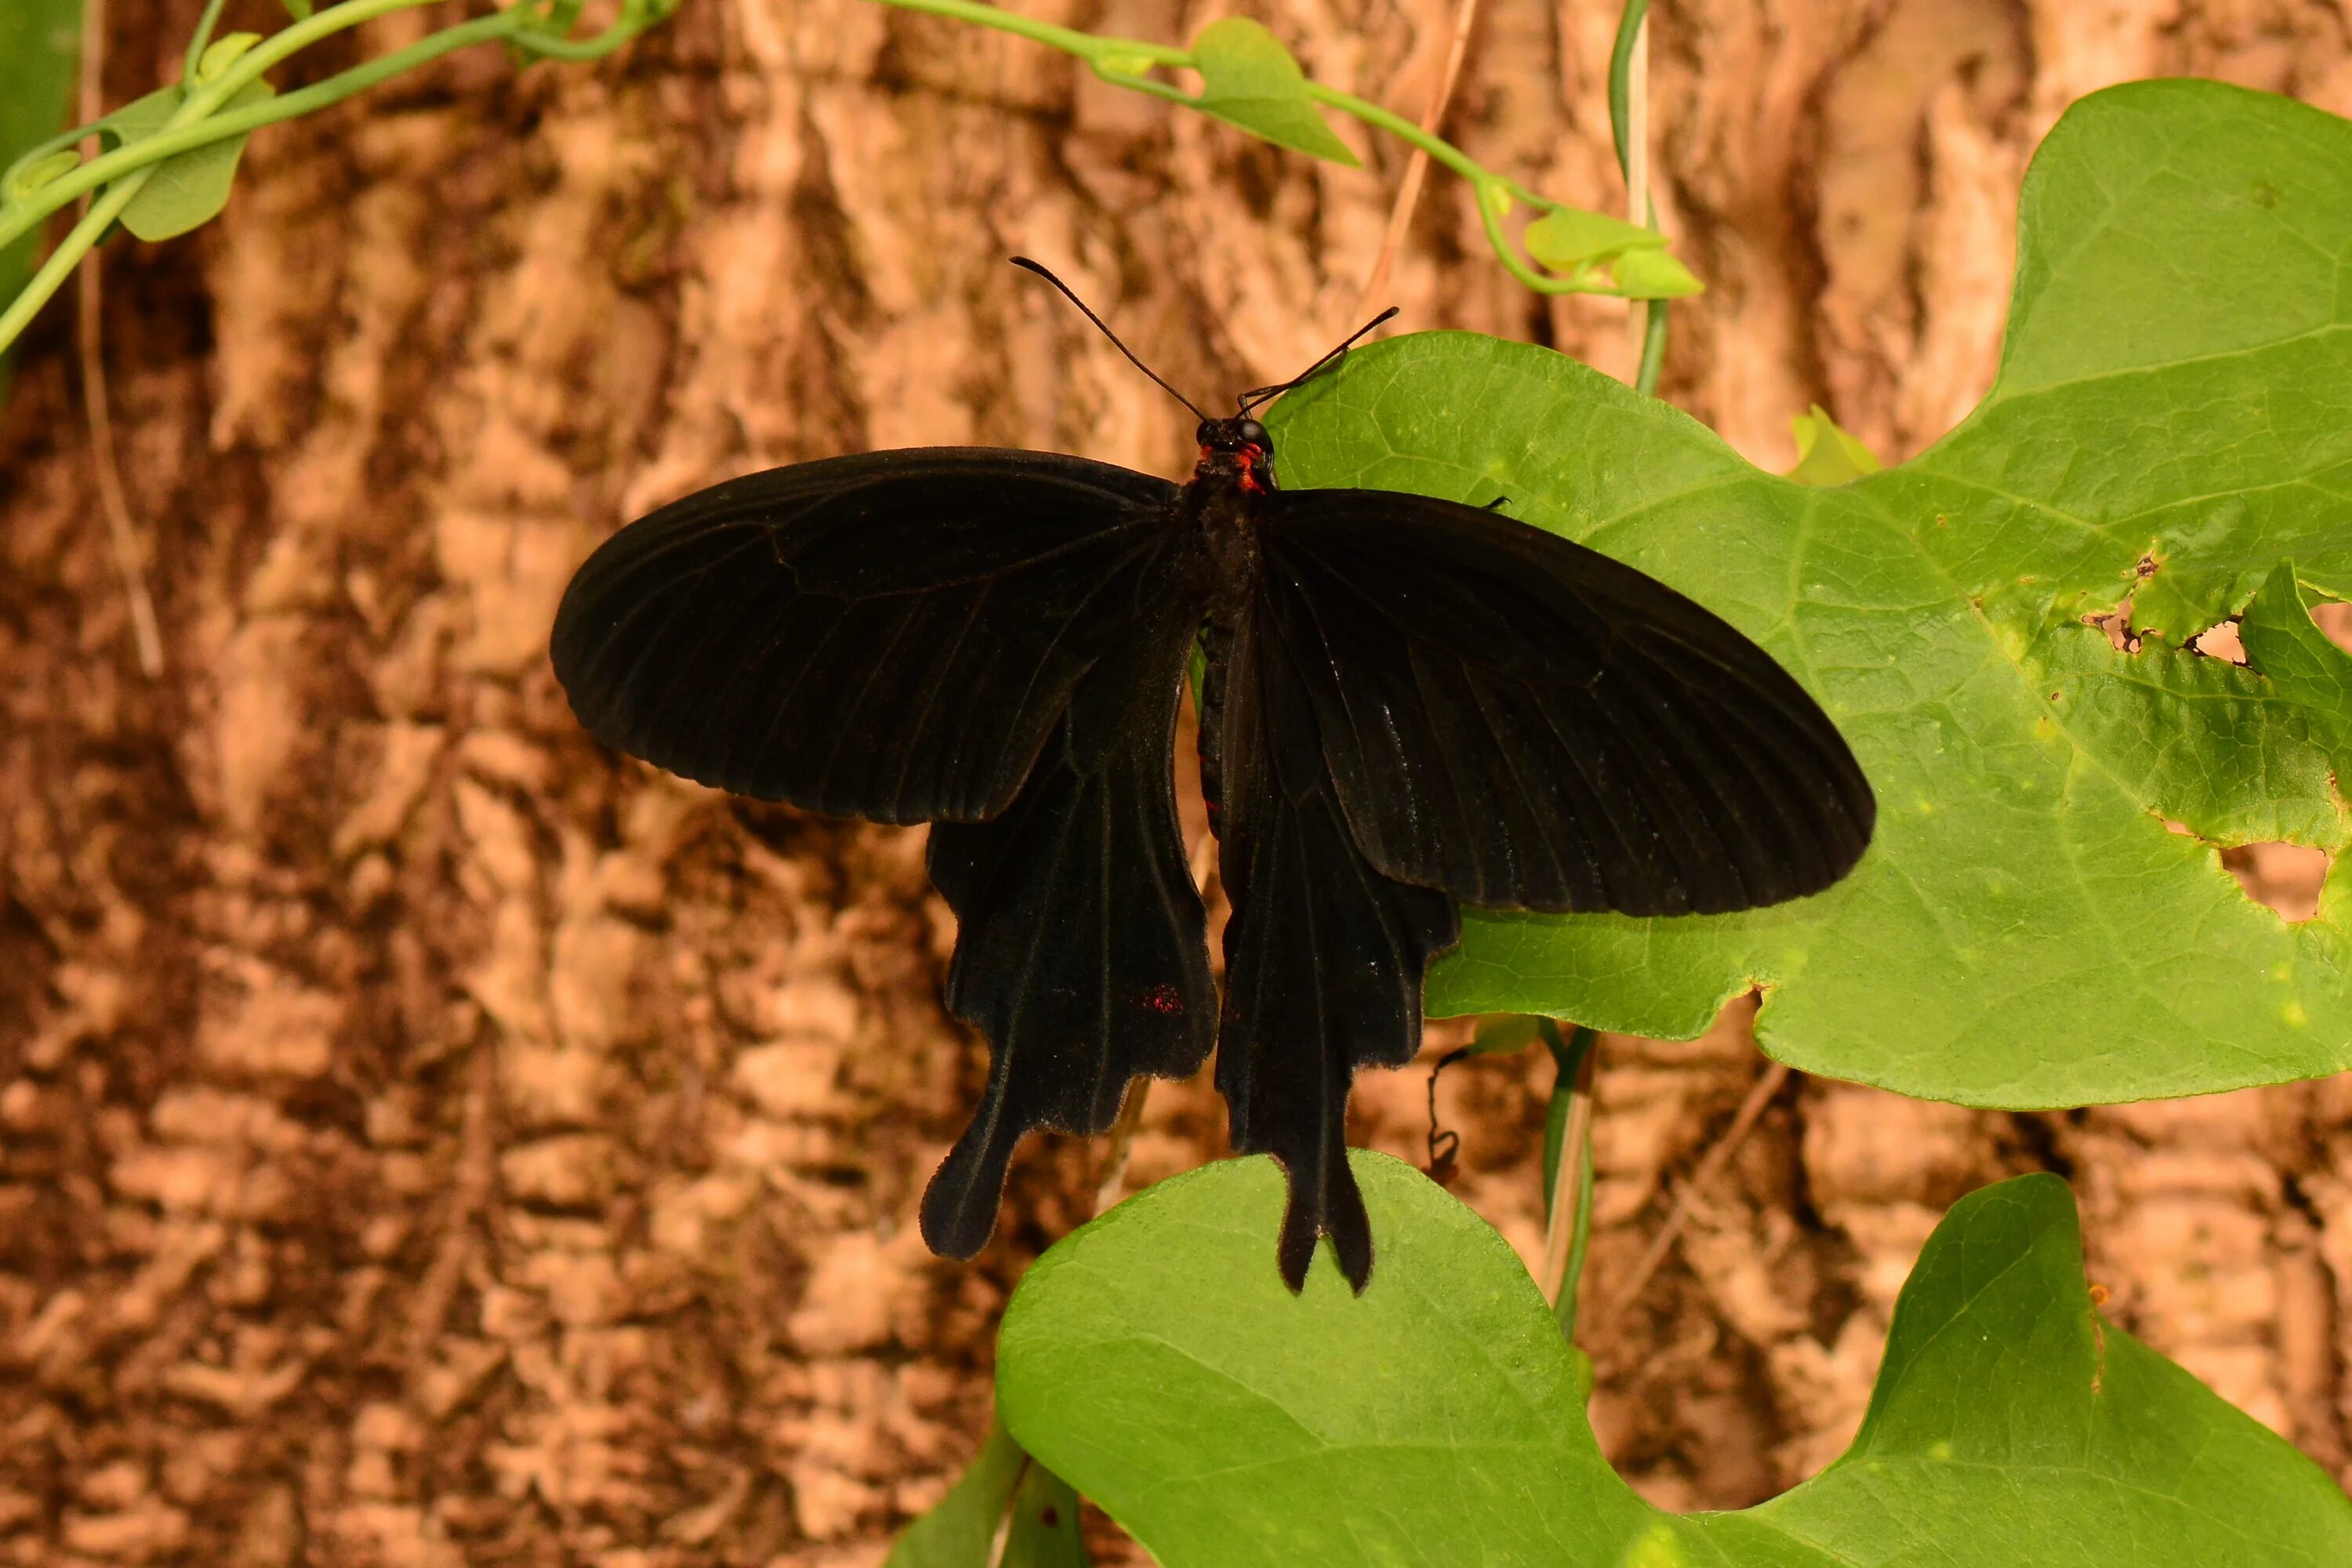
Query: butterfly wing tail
(1082, 953)
(1323, 960)
(960, 1205)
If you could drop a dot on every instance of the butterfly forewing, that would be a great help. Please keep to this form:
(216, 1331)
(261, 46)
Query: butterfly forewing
(1524, 722)
(891, 635)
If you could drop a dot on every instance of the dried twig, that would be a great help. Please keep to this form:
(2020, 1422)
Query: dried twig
(1408, 196)
(1768, 1084)
(119, 532)
(1122, 1144)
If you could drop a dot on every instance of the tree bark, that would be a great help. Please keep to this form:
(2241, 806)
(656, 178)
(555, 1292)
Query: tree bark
(425, 1138)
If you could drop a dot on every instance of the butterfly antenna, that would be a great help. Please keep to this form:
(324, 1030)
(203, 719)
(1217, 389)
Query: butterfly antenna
(1257, 396)
(1028, 264)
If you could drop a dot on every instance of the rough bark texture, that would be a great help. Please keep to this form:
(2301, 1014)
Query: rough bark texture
(426, 1140)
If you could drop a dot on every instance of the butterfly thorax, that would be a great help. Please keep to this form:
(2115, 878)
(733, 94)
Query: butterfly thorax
(1236, 467)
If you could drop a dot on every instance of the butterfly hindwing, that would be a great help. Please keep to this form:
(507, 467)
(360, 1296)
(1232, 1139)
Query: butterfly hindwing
(1082, 949)
(1524, 722)
(1323, 954)
(890, 636)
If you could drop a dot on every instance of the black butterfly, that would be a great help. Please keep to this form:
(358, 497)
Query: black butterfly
(1409, 704)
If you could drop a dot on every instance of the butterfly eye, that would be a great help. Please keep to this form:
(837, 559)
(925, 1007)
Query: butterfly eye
(1253, 434)
(1206, 433)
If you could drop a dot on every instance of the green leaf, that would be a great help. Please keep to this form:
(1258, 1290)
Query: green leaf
(1826, 454)
(1566, 238)
(224, 52)
(141, 117)
(1652, 275)
(552, 18)
(2300, 666)
(42, 171)
(39, 41)
(1508, 1032)
(1043, 1531)
(1248, 79)
(1155, 1359)
(189, 190)
(297, 9)
(2024, 930)
(959, 1530)
(1120, 65)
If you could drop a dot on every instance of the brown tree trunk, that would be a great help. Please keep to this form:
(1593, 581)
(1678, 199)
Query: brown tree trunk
(426, 1140)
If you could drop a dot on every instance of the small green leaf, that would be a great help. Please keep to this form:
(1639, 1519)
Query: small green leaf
(960, 1528)
(1120, 65)
(1507, 1032)
(1155, 1359)
(1044, 1529)
(225, 52)
(1249, 80)
(558, 17)
(1566, 238)
(141, 117)
(189, 190)
(1827, 455)
(41, 172)
(1652, 275)
(297, 9)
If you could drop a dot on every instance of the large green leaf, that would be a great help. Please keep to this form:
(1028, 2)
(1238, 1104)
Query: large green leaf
(2172, 421)
(1155, 1359)
(39, 42)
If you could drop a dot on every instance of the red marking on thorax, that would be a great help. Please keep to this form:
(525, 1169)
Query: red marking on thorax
(1250, 484)
(1165, 999)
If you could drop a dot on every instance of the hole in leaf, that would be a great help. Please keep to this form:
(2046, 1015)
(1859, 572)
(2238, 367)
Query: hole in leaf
(2220, 642)
(2334, 619)
(2118, 625)
(2284, 878)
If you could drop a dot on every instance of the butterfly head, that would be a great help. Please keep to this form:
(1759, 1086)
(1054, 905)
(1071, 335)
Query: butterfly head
(1237, 449)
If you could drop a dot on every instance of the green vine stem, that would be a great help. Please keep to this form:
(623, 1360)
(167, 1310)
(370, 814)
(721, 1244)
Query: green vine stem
(1124, 62)
(1632, 40)
(536, 28)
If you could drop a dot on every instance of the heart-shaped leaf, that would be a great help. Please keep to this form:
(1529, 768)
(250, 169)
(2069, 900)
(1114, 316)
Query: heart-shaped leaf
(1568, 237)
(1155, 1360)
(2024, 930)
(1652, 274)
(1248, 79)
(1827, 455)
(189, 190)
